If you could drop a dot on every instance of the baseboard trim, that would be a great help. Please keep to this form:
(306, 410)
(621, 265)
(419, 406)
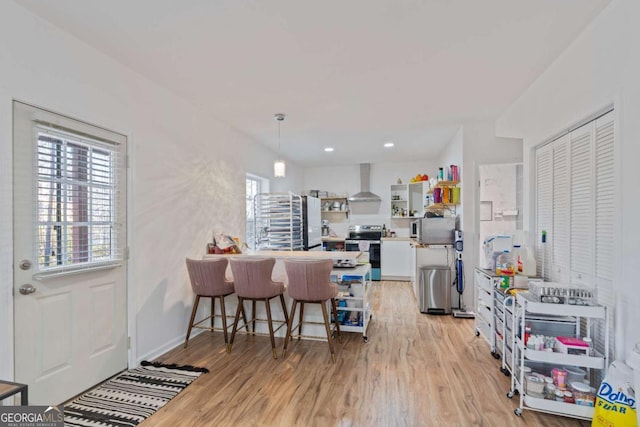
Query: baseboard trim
(396, 278)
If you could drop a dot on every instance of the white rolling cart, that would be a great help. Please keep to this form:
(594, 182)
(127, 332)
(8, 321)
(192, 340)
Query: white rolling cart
(503, 321)
(485, 282)
(356, 281)
(525, 309)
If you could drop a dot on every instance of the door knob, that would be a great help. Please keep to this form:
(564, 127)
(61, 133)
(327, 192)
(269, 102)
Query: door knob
(27, 289)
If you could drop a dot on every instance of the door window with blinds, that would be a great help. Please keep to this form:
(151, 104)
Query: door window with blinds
(575, 205)
(78, 209)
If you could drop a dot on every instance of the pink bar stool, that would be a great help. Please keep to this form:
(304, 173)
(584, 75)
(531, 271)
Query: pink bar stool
(208, 281)
(252, 278)
(310, 282)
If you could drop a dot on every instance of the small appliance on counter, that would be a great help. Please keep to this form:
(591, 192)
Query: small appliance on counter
(436, 231)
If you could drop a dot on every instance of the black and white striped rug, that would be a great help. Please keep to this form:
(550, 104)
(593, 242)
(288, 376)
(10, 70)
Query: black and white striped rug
(130, 397)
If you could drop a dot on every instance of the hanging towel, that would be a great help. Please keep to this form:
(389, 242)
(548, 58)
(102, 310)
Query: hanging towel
(364, 246)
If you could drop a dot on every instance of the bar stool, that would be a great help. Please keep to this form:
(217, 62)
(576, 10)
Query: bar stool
(310, 282)
(208, 280)
(252, 278)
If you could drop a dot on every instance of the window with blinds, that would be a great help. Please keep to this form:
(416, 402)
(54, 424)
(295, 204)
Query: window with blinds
(575, 204)
(77, 203)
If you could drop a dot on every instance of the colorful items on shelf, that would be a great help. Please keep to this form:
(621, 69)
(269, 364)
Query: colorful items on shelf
(417, 178)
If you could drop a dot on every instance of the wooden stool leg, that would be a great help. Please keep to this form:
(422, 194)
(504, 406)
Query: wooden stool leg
(213, 311)
(284, 309)
(223, 312)
(235, 323)
(300, 321)
(244, 317)
(273, 341)
(335, 317)
(193, 316)
(289, 325)
(328, 329)
(253, 314)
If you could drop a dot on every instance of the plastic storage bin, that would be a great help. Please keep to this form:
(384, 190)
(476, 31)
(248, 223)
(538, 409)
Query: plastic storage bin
(562, 293)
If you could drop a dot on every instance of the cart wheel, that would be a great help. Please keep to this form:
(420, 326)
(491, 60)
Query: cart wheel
(517, 392)
(510, 394)
(505, 372)
(495, 355)
(518, 411)
(477, 333)
(365, 338)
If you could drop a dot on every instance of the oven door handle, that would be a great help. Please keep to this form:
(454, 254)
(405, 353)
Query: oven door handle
(355, 242)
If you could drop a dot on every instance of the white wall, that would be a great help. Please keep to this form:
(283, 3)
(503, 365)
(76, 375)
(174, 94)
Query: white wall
(498, 185)
(187, 170)
(480, 146)
(600, 68)
(346, 180)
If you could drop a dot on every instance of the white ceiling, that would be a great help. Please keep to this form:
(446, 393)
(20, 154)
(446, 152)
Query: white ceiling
(351, 74)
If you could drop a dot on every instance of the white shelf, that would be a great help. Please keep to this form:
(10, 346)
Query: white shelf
(412, 198)
(526, 310)
(362, 273)
(562, 358)
(593, 311)
(559, 408)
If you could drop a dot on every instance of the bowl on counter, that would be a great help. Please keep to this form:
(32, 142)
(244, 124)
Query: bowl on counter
(574, 374)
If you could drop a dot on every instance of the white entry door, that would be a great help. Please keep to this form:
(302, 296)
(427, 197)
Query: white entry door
(69, 198)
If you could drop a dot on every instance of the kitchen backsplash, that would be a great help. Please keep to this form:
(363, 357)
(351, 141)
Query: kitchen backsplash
(401, 227)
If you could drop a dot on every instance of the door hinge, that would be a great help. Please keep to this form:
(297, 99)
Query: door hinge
(128, 343)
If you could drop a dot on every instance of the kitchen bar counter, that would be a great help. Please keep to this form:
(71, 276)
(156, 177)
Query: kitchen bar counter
(279, 274)
(333, 239)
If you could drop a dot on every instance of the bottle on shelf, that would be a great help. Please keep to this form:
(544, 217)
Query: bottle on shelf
(504, 263)
(384, 230)
(506, 269)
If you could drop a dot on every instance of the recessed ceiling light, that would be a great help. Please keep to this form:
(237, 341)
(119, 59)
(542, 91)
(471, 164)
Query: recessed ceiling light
(388, 144)
(328, 149)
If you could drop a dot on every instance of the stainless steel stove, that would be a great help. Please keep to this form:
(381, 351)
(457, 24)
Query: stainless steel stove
(366, 238)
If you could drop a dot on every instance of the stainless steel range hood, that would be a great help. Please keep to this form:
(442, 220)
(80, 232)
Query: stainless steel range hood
(365, 195)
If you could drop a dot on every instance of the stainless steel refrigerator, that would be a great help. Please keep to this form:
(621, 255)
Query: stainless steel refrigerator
(312, 219)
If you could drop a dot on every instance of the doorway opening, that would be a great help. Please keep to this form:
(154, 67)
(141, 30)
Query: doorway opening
(501, 201)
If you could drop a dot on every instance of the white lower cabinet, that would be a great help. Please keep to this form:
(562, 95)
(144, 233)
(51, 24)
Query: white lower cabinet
(395, 259)
(555, 320)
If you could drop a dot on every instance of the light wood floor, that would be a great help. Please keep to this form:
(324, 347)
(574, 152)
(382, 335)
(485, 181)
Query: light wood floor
(416, 370)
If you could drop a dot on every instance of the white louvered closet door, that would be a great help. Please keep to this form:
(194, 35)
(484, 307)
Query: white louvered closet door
(576, 203)
(582, 205)
(604, 201)
(605, 188)
(561, 209)
(544, 206)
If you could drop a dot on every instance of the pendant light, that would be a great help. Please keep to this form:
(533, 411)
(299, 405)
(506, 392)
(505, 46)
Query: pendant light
(279, 167)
